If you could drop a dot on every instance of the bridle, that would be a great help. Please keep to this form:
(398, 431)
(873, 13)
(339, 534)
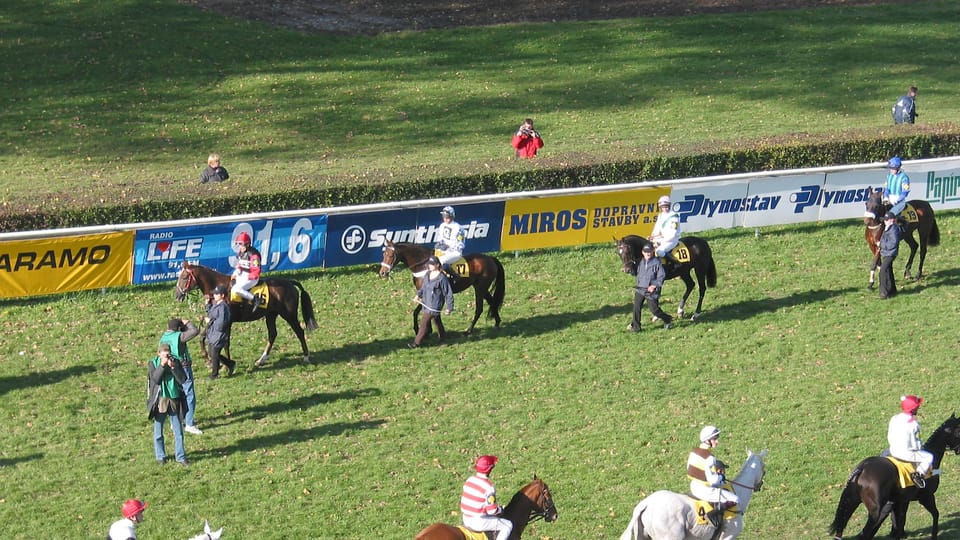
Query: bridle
(383, 264)
(190, 284)
(757, 486)
(544, 507)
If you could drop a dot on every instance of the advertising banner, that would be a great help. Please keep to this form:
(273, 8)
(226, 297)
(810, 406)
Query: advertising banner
(587, 218)
(779, 200)
(360, 238)
(940, 184)
(844, 194)
(65, 264)
(711, 205)
(284, 244)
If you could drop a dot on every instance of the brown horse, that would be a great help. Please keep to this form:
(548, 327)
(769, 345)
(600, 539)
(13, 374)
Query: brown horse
(282, 302)
(920, 219)
(528, 505)
(483, 272)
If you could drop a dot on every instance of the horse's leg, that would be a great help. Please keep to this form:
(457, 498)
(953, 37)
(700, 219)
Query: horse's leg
(688, 281)
(898, 519)
(930, 503)
(271, 320)
(873, 270)
(416, 320)
(908, 238)
(702, 289)
(294, 323)
(874, 518)
(478, 293)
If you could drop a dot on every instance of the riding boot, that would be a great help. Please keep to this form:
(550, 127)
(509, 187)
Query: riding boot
(918, 480)
(716, 516)
(256, 302)
(447, 269)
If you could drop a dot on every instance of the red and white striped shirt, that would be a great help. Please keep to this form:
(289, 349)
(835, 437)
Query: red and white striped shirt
(479, 497)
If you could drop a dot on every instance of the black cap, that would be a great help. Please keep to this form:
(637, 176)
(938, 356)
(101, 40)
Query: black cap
(219, 289)
(647, 248)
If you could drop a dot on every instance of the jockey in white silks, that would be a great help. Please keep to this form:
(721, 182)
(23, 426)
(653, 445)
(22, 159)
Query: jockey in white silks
(707, 475)
(666, 231)
(450, 240)
(903, 435)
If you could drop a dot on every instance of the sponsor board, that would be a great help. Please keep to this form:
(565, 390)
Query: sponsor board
(360, 238)
(941, 185)
(284, 244)
(588, 218)
(65, 264)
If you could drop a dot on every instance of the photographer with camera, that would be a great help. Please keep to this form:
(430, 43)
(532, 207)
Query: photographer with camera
(527, 140)
(178, 333)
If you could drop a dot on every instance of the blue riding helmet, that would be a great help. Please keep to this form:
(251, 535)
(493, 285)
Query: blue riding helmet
(448, 211)
(894, 163)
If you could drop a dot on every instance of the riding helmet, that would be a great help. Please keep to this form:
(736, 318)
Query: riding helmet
(243, 238)
(133, 507)
(894, 163)
(889, 215)
(709, 432)
(910, 404)
(434, 261)
(485, 464)
(219, 289)
(663, 201)
(647, 248)
(448, 211)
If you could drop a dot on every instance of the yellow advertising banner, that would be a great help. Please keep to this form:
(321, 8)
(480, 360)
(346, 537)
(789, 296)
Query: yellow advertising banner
(588, 218)
(66, 264)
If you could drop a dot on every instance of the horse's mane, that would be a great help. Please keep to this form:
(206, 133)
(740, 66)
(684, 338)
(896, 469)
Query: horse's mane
(522, 495)
(941, 431)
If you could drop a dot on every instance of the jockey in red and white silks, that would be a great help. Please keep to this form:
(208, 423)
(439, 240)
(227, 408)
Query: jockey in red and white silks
(478, 503)
(247, 272)
(903, 435)
(666, 231)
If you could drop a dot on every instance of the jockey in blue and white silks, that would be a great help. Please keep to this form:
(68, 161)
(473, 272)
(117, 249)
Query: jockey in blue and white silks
(666, 231)
(897, 188)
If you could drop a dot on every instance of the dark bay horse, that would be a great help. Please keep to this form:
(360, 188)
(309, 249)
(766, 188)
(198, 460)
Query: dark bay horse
(700, 262)
(874, 482)
(486, 272)
(284, 294)
(920, 220)
(532, 502)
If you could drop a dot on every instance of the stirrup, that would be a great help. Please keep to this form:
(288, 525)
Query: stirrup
(918, 480)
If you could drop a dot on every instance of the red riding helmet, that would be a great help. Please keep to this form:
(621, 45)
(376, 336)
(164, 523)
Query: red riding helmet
(910, 404)
(243, 238)
(133, 507)
(485, 464)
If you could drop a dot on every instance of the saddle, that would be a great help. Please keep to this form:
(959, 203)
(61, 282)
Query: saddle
(476, 535)
(905, 471)
(459, 266)
(703, 509)
(260, 289)
(907, 217)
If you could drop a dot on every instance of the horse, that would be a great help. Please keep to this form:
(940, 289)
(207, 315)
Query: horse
(699, 259)
(282, 302)
(483, 273)
(208, 534)
(665, 515)
(874, 482)
(531, 503)
(921, 219)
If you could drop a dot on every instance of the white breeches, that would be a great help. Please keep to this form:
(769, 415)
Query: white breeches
(242, 285)
(448, 257)
(712, 494)
(922, 458)
(666, 246)
(489, 523)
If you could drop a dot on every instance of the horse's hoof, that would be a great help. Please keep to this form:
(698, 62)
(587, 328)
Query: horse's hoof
(260, 363)
(306, 360)
(695, 316)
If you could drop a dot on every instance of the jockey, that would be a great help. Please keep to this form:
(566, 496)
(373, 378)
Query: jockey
(897, 188)
(666, 231)
(903, 435)
(247, 273)
(450, 240)
(478, 503)
(707, 478)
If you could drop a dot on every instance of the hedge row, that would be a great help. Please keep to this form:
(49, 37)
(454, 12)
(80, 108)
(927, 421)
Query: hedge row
(760, 158)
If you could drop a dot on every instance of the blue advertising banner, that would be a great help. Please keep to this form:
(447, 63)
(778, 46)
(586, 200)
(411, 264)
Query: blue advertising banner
(284, 244)
(359, 238)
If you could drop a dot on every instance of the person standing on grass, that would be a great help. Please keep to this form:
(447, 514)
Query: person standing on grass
(218, 332)
(650, 277)
(123, 529)
(527, 140)
(905, 109)
(178, 333)
(435, 292)
(214, 172)
(478, 502)
(889, 245)
(165, 399)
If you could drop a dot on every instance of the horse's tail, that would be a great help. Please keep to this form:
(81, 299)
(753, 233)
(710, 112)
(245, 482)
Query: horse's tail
(934, 238)
(711, 270)
(306, 306)
(849, 501)
(499, 290)
(635, 528)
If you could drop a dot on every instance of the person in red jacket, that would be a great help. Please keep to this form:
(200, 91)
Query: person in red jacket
(527, 141)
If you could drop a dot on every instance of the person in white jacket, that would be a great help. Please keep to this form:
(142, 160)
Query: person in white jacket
(707, 475)
(903, 436)
(666, 231)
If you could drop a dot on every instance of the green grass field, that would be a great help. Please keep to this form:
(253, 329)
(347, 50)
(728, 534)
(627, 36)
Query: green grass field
(116, 102)
(792, 354)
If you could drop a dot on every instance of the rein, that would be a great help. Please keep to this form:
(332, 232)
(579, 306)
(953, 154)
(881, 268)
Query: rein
(190, 282)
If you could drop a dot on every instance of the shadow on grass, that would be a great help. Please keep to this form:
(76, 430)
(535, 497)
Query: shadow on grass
(288, 437)
(749, 308)
(33, 380)
(7, 462)
(301, 403)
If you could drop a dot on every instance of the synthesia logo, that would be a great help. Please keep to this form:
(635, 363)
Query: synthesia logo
(353, 239)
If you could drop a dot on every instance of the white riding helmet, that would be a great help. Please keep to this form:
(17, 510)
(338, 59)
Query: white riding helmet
(709, 432)
(663, 201)
(448, 211)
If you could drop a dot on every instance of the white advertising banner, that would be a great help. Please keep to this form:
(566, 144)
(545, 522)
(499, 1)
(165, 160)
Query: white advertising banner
(844, 195)
(783, 199)
(938, 183)
(713, 205)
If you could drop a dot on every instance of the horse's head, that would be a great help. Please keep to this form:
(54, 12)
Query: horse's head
(539, 494)
(628, 248)
(389, 259)
(874, 208)
(754, 469)
(208, 534)
(186, 281)
(951, 430)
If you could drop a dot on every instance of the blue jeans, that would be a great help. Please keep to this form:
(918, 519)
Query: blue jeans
(191, 395)
(158, 448)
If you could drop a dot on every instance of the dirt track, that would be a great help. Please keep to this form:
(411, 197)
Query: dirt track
(372, 17)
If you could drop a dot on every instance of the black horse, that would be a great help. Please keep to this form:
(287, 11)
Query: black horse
(697, 258)
(874, 482)
(284, 294)
(921, 219)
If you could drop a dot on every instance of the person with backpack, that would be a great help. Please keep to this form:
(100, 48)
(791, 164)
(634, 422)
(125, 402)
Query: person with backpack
(905, 109)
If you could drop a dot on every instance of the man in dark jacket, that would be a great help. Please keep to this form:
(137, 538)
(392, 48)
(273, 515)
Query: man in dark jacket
(889, 248)
(650, 276)
(905, 109)
(165, 398)
(218, 331)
